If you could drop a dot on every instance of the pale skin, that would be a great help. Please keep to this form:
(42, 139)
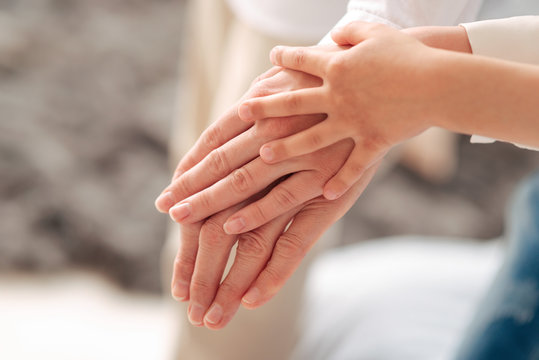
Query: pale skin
(266, 256)
(389, 87)
(211, 179)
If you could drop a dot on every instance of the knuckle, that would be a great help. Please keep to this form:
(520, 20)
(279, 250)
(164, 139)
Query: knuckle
(189, 232)
(274, 128)
(218, 163)
(336, 67)
(273, 276)
(257, 214)
(230, 289)
(261, 89)
(212, 137)
(241, 180)
(183, 266)
(200, 204)
(374, 142)
(199, 285)
(292, 101)
(315, 140)
(253, 244)
(299, 57)
(181, 188)
(212, 233)
(257, 80)
(284, 197)
(356, 168)
(290, 246)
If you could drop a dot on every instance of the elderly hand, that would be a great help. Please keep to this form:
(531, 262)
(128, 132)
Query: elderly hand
(266, 256)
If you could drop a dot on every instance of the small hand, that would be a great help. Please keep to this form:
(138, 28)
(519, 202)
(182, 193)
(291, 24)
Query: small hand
(377, 93)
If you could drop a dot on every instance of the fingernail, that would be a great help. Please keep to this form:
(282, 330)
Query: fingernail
(252, 296)
(180, 212)
(234, 226)
(196, 313)
(164, 201)
(215, 314)
(266, 153)
(245, 112)
(180, 290)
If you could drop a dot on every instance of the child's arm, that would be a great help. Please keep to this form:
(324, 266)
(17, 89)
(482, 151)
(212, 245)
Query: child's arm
(391, 87)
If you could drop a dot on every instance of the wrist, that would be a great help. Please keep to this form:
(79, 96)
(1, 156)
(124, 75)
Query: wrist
(440, 83)
(453, 38)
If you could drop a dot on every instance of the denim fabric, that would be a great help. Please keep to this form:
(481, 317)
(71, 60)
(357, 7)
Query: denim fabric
(507, 323)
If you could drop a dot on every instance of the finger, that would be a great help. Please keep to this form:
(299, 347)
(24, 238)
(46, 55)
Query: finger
(184, 262)
(310, 140)
(236, 187)
(356, 32)
(212, 255)
(305, 59)
(299, 102)
(234, 154)
(266, 75)
(215, 135)
(218, 164)
(294, 191)
(253, 251)
(227, 126)
(361, 159)
(288, 252)
(308, 225)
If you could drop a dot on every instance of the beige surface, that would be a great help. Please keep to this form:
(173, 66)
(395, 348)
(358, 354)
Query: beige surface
(80, 315)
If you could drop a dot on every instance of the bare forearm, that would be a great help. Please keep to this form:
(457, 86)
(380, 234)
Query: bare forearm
(488, 97)
(452, 38)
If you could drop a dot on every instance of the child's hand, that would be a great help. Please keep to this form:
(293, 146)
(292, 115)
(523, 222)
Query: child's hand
(378, 93)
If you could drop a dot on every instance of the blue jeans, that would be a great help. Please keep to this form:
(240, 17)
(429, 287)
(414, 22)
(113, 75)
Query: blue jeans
(507, 323)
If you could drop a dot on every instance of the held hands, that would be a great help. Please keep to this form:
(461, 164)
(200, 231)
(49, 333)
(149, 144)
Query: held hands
(377, 93)
(267, 255)
(223, 184)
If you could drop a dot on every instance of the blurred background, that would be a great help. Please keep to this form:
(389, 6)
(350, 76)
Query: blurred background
(87, 94)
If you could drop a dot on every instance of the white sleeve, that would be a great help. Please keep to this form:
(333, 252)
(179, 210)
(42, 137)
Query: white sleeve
(403, 14)
(513, 39)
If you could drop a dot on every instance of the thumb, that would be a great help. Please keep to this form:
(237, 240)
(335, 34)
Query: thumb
(357, 31)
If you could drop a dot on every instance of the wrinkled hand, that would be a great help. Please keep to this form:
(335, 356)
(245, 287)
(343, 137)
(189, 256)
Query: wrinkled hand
(218, 160)
(376, 93)
(265, 255)
(265, 258)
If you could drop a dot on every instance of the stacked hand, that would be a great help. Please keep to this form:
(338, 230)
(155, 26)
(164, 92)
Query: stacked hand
(317, 123)
(223, 174)
(366, 95)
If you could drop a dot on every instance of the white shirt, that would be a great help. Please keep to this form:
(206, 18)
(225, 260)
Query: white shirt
(310, 20)
(304, 21)
(513, 39)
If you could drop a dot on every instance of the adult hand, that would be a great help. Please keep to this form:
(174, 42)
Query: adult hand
(206, 247)
(218, 161)
(377, 93)
(266, 257)
(201, 259)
